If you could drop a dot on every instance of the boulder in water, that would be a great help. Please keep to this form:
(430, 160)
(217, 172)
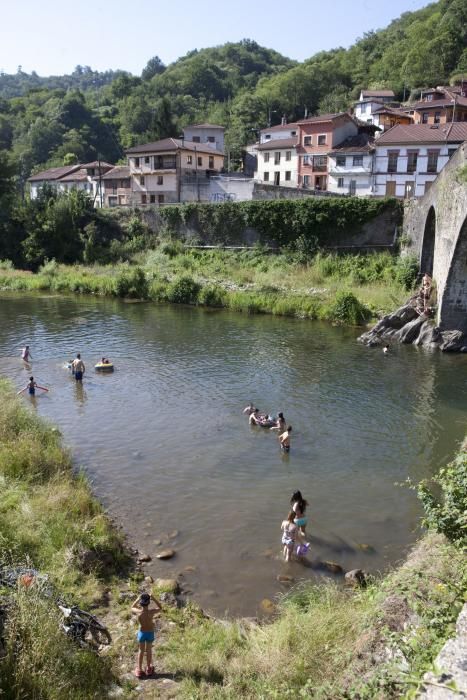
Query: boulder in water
(166, 554)
(356, 578)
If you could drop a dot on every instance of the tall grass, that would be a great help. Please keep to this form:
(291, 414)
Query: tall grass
(252, 281)
(49, 520)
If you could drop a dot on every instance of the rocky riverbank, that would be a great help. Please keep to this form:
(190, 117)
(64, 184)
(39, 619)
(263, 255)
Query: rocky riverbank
(410, 326)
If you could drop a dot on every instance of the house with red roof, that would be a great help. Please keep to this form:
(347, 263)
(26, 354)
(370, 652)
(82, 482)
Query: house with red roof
(441, 105)
(409, 158)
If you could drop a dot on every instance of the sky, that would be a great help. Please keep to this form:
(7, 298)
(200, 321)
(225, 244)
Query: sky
(52, 37)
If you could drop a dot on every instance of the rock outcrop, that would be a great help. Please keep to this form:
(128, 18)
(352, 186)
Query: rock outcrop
(408, 325)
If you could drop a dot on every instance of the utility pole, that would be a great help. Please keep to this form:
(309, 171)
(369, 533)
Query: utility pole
(100, 178)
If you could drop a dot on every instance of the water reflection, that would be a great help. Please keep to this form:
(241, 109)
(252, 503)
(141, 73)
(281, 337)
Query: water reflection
(165, 440)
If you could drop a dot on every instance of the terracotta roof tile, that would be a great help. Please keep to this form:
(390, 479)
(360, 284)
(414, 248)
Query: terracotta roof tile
(425, 133)
(53, 173)
(278, 143)
(167, 145)
(119, 172)
(377, 93)
(325, 118)
(355, 144)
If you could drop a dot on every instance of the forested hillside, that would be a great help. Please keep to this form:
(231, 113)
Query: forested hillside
(63, 119)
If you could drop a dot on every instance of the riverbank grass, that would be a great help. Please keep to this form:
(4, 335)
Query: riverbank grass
(49, 520)
(253, 281)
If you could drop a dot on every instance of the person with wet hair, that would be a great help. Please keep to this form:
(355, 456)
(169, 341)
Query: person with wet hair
(280, 423)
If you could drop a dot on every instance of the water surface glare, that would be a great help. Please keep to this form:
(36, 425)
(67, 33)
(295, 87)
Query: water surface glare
(166, 445)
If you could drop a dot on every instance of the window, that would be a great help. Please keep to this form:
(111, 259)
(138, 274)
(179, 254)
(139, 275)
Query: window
(152, 198)
(158, 162)
(451, 152)
(267, 137)
(141, 179)
(432, 166)
(288, 155)
(196, 139)
(277, 158)
(266, 177)
(266, 157)
(320, 163)
(293, 133)
(392, 161)
(143, 199)
(321, 139)
(307, 141)
(340, 182)
(437, 118)
(160, 198)
(340, 161)
(189, 160)
(211, 162)
(412, 157)
(136, 162)
(200, 161)
(425, 118)
(306, 160)
(146, 160)
(288, 175)
(160, 179)
(211, 139)
(365, 106)
(306, 181)
(357, 160)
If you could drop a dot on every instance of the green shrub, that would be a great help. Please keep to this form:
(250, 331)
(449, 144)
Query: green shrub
(172, 249)
(212, 295)
(6, 265)
(132, 283)
(346, 308)
(50, 267)
(184, 290)
(447, 512)
(406, 271)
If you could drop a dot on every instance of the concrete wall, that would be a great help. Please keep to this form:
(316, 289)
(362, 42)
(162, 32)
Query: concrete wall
(447, 197)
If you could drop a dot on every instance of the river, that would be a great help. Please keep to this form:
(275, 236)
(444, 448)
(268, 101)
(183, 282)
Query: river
(167, 448)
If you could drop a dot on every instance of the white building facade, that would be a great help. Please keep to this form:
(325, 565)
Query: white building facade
(351, 167)
(281, 131)
(278, 162)
(409, 158)
(211, 135)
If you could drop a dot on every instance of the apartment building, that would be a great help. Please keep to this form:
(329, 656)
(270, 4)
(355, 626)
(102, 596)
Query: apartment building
(351, 166)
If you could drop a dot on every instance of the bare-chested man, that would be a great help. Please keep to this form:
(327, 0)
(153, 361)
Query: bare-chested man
(284, 439)
(78, 368)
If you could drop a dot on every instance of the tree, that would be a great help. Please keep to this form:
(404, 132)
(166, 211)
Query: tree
(153, 67)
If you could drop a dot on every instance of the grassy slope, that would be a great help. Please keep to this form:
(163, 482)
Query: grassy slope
(250, 281)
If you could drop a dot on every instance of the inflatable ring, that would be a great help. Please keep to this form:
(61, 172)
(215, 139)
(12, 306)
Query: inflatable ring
(104, 367)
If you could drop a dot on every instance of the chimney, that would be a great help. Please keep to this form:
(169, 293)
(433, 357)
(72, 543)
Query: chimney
(283, 120)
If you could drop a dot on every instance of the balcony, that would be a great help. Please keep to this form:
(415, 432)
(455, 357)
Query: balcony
(350, 169)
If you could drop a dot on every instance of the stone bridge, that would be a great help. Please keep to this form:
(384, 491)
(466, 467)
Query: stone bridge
(436, 227)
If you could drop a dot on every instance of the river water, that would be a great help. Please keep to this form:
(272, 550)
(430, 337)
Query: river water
(167, 447)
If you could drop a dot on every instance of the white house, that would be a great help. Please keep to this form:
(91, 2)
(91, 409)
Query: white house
(278, 162)
(86, 177)
(281, 131)
(351, 166)
(369, 102)
(211, 135)
(408, 158)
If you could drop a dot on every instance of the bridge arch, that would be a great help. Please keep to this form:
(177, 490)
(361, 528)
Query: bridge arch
(454, 301)
(428, 244)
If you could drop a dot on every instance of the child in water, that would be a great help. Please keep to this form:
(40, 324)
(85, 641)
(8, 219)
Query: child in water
(284, 439)
(31, 386)
(299, 505)
(26, 354)
(289, 535)
(145, 634)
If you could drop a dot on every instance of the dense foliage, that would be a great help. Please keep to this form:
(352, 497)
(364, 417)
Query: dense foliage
(44, 121)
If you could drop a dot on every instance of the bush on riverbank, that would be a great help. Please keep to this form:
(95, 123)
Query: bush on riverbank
(49, 520)
(251, 281)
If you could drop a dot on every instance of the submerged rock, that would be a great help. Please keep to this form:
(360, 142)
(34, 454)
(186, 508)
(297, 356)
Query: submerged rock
(356, 577)
(143, 558)
(267, 606)
(170, 585)
(332, 567)
(285, 578)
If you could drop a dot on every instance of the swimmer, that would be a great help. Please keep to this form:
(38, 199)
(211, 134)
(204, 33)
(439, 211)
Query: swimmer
(105, 361)
(31, 386)
(284, 439)
(26, 354)
(289, 535)
(249, 409)
(78, 368)
(254, 418)
(386, 349)
(280, 423)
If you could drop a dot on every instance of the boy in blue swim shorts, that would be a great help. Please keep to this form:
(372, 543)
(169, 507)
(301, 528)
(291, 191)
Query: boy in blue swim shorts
(145, 634)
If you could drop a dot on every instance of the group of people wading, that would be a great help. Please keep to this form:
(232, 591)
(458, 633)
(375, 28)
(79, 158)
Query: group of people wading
(264, 420)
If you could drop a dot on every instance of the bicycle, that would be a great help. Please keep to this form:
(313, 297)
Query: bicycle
(79, 625)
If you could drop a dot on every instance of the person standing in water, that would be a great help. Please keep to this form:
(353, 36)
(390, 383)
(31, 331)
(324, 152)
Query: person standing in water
(299, 505)
(280, 423)
(289, 535)
(78, 368)
(31, 386)
(284, 439)
(26, 354)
